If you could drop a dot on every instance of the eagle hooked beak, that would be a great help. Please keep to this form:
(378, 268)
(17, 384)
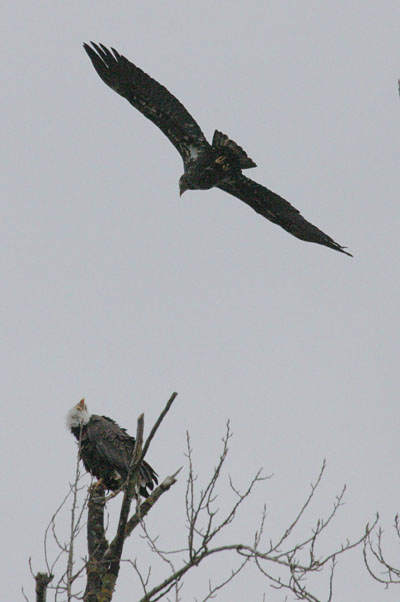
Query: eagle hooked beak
(183, 185)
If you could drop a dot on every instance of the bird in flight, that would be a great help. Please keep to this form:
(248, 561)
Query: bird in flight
(206, 165)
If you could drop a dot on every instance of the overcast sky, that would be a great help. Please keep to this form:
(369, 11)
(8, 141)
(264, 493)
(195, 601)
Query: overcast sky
(116, 289)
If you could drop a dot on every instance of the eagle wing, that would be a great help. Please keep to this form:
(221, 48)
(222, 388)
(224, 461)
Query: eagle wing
(113, 444)
(277, 210)
(150, 98)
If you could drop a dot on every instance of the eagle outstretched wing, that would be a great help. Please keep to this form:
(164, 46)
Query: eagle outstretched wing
(277, 210)
(205, 165)
(149, 97)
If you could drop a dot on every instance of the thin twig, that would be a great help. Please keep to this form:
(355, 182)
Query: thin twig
(157, 424)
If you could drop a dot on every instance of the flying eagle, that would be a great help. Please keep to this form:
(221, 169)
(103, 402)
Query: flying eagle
(205, 166)
(106, 449)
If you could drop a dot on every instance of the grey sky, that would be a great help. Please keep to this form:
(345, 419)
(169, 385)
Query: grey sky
(116, 289)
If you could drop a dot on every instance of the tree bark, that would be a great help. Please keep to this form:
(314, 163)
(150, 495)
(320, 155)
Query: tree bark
(42, 581)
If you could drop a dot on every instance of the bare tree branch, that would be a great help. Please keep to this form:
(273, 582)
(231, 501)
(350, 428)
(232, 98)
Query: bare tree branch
(157, 424)
(42, 581)
(130, 489)
(285, 566)
(286, 563)
(73, 526)
(149, 502)
(97, 543)
(382, 571)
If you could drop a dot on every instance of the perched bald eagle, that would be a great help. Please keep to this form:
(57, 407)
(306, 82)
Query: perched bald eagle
(205, 166)
(106, 449)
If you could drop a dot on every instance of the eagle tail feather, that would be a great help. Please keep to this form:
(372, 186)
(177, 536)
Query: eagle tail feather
(221, 141)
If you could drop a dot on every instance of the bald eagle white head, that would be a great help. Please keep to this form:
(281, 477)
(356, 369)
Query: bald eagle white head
(78, 415)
